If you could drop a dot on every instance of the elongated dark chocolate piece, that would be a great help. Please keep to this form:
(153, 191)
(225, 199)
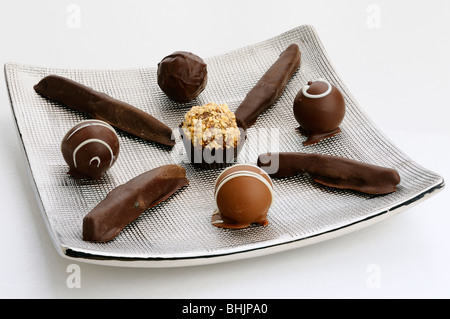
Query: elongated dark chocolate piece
(333, 171)
(128, 201)
(269, 88)
(103, 107)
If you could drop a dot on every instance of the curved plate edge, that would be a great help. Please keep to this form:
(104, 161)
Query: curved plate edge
(77, 256)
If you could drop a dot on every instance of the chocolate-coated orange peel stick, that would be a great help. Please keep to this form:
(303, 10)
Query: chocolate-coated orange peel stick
(128, 201)
(103, 107)
(269, 88)
(333, 171)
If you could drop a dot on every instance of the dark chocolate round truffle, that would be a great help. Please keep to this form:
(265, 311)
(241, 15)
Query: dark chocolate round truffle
(182, 76)
(90, 148)
(244, 195)
(319, 108)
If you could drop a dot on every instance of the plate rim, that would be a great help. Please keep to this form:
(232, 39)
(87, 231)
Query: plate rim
(171, 262)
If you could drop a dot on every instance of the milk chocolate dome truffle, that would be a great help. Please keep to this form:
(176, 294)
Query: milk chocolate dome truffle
(182, 76)
(319, 108)
(90, 148)
(244, 195)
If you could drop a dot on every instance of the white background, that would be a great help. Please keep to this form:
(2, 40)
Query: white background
(395, 63)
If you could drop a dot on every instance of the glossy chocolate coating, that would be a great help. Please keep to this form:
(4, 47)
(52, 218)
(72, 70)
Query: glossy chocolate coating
(90, 148)
(240, 168)
(182, 76)
(103, 107)
(269, 88)
(128, 201)
(319, 118)
(243, 195)
(333, 171)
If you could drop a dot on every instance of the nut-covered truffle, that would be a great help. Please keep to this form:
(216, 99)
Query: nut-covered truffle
(211, 135)
(244, 195)
(90, 148)
(319, 108)
(182, 76)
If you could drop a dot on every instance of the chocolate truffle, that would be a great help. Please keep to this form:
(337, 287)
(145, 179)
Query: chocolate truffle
(182, 76)
(244, 195)
(211, 136)
(90, 148)
(319, 108)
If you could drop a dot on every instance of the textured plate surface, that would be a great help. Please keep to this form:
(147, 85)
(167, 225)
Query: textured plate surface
(178, 232)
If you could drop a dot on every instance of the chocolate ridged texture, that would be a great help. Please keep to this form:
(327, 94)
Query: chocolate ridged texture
(103, 107)
(128, 201)
(269, 88)
(182, 76)
(333, 171)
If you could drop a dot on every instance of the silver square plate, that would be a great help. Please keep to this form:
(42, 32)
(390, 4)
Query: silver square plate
(178, 232)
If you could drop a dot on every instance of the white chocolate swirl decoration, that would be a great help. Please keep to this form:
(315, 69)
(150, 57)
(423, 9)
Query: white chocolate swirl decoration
(241, 173)
(87, 123)
(96, 158)
(90, 161)
(83, 125)
(243, 194)
(317, 96)
(93, 140)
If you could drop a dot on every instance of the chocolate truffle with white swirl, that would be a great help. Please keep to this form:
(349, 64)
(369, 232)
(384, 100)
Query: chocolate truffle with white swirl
(244, 195)
(319, 108)
(90, 148)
